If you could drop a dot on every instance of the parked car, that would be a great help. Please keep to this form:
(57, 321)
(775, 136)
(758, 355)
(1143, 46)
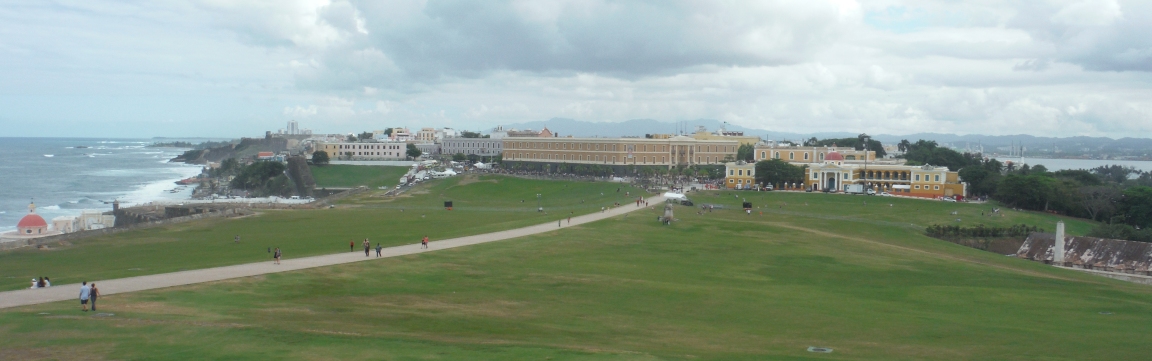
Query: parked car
(948, 199)
(885, 194)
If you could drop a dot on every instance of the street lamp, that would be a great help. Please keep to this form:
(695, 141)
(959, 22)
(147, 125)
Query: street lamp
(538, 207)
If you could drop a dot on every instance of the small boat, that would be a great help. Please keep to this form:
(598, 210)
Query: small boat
(49, 155)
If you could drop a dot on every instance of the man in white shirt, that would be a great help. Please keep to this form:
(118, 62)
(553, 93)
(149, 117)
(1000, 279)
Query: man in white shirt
(85, 291)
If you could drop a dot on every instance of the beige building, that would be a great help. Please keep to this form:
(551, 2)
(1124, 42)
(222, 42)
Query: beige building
(803, 154)
(364, 151)
(834, 174)
(725, 135)
(675, 151)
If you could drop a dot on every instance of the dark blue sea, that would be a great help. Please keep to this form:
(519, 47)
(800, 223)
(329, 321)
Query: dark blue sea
(64, 178)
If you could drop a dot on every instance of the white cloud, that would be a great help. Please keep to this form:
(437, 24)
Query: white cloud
(1046, 67)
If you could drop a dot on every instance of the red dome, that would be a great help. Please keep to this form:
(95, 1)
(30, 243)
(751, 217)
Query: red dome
(31, 221)
(834, 156)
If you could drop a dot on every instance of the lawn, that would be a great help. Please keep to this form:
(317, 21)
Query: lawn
(482, 204)
(723, 285)
(349, 176)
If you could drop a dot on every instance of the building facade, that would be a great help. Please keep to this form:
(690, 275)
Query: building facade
(484, 147)
(675, 151)
(803, 154)
(364, 151)
(835, 174)
(739, 175)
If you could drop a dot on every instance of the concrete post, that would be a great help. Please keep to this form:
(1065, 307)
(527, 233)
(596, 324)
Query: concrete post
(1058, 248)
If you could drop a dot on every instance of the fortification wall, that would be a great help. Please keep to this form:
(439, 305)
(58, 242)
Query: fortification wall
(1109, 255)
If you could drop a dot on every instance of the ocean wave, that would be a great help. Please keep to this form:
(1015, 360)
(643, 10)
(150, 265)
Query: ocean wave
(51, 208)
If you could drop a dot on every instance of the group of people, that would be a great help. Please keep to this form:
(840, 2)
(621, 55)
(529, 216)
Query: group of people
(88, 293)
(43, 282)
(368, 246)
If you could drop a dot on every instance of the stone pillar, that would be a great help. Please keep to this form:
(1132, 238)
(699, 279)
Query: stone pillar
(1058, 247)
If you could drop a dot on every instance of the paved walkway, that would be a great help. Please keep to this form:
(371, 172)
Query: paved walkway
(132, 284)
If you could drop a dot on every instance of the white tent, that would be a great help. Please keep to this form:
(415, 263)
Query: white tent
(480, 165)
(670, 195)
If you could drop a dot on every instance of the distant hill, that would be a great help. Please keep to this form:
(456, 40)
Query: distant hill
(990, 143)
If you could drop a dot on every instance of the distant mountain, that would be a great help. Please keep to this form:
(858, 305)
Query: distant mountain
(990, 143)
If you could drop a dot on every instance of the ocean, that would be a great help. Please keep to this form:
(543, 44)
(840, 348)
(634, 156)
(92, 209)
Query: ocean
(63, 178)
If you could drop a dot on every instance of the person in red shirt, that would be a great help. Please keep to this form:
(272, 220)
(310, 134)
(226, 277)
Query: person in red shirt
(424, 242)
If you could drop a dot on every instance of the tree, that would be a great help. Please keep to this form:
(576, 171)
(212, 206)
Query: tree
(811, 142)
(320, 157)
(1114, 173)
(467, 134)
(776, 171)
(746, 152)
(980, 181)
(388, 132)
(459, 157)
(903, 145)
(351, 138)
(413, 152)
(1136, 206)
(365, 136)
(1026, 191)
(1099, 200)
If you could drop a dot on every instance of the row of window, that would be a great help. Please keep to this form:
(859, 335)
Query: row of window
(613, 147)
(739, 172)
(368, 146)
(927, 178)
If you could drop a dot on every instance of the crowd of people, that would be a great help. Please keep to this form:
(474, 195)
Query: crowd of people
(41, 283)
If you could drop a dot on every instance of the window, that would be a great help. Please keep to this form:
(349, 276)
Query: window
(917, 186)
(845, 175)
(805, 156)
(937, 177)
(936, 187)
(740, 171)
(763, 155)
(731, 181)
(777, 155)
(815, 175)
(791, 155)
(917, 179)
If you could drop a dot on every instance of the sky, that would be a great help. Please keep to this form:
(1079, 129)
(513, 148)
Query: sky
(227, 68)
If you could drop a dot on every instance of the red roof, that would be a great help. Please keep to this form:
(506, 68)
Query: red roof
(834, 156)
(31, 221)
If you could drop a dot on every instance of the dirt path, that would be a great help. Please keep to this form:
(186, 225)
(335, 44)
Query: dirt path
(150, 282)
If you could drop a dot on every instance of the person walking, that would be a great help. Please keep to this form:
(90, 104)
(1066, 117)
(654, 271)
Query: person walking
(378, 248)
(276, 256)
(558, 223)
(85, 291)
(92, 294)
(351, 246)
(367, 247)
(424, 242)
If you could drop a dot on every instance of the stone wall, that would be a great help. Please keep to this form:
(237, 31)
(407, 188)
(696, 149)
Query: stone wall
(235, 212)
(1109, 255)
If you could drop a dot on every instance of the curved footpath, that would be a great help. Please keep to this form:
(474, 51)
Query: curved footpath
(150, 282)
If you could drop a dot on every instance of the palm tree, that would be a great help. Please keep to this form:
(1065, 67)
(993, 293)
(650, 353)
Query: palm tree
(903, 145)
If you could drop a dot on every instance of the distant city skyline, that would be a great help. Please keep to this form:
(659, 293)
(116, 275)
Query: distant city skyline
(209, 68)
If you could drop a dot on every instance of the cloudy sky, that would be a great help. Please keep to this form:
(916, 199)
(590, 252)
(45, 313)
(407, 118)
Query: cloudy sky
(235, 67)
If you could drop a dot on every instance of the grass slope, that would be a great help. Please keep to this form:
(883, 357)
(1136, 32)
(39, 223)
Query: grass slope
(348, 176)
(482, 204)
(717, 286)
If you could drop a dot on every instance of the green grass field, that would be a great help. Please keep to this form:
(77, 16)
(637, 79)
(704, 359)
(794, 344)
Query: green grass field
(481, 205)
(349, 176)
(861, 279)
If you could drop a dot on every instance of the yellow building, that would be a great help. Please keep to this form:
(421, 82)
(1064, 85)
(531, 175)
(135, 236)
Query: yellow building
(802, 154)
(835, 174)
(739, 175)
(675, 151)
(364, 151)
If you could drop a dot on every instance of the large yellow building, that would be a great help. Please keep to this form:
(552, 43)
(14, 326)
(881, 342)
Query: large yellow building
(834, 174)
(675, 151)
(364, 151)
